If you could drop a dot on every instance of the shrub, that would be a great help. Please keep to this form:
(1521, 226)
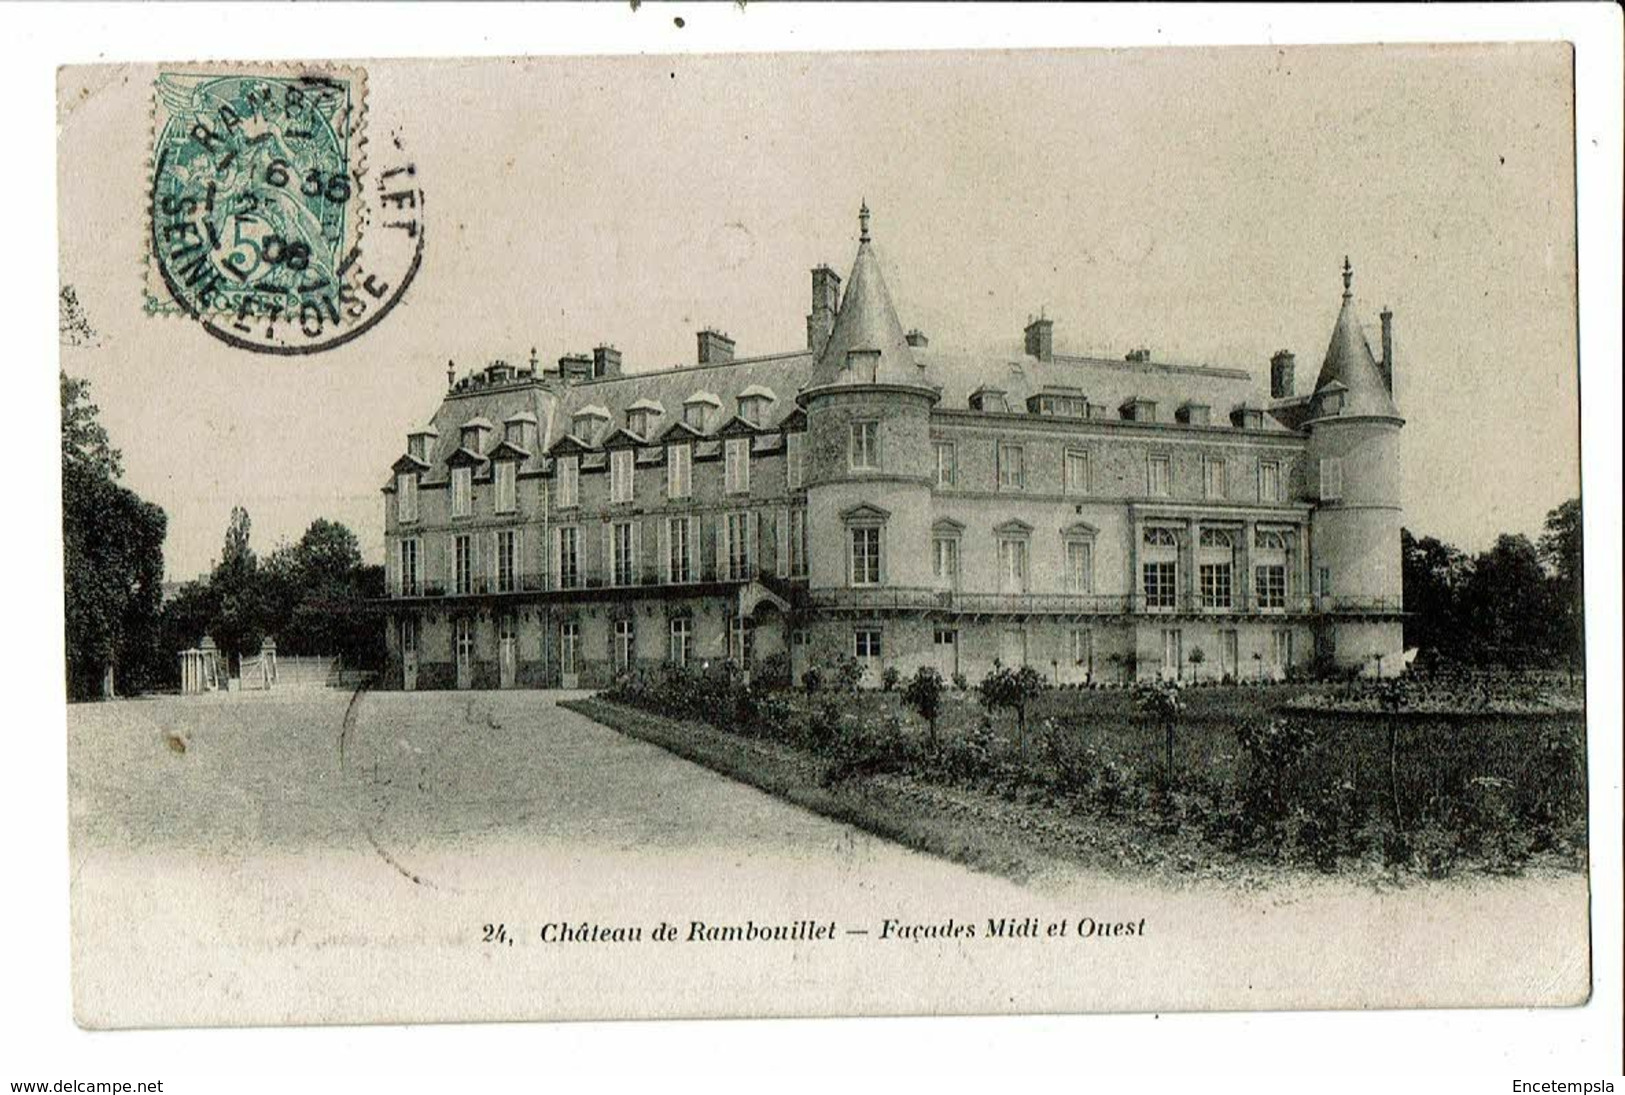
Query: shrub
(1160, 700)
(774, 670)
(848, 673)
(961, 682)
(890, 678)
(1073, 762)
(1015, 689)
(924, 695)
(812, 680)
(867, 748)
(1275, 753)
(970, 758)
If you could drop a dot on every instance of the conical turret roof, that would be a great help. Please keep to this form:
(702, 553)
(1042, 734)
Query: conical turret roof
(867, 344)
(1349, 362)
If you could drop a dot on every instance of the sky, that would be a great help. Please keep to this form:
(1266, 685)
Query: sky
(1198, 202)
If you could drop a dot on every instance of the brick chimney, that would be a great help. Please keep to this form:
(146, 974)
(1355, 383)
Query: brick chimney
(916, 338)
(606, 361)
(575, 367)
(826, 298)
(1040, 334)
(1281, 382)
(715, 347)
(1388, 349)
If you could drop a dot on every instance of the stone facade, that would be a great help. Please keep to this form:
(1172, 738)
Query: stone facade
(870, 496)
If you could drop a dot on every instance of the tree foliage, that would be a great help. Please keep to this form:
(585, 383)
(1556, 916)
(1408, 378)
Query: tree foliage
(112, 559)
(1518, 604)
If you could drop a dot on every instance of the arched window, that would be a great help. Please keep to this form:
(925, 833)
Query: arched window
(1270, 571)
(1157, 536)
(1159, 570)
(1215, 569)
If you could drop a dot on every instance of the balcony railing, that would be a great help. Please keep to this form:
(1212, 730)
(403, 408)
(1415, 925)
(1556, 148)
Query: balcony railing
(883, 599)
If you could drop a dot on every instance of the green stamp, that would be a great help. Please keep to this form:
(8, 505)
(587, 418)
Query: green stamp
(256, 204)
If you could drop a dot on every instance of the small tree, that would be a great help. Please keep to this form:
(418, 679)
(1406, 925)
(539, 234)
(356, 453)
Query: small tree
(924, 693)
(1013, 689)
(889, 679)
(1197, 657)
(1391, 698)
(1161, 700)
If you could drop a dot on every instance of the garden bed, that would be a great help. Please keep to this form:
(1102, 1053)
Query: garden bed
(1258, 784)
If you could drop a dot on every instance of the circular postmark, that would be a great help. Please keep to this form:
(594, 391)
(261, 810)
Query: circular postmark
(259, 224)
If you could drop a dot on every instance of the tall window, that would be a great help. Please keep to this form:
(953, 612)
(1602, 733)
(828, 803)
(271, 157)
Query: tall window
(866, 646)
(863, 446)
(507, 483)
(798, 543)
(1331, 478)
(1080, 566)
(1083, 652)
(406, 497)
(736, 465)
(945, 561)
(569, 485)
(624, 637)
(620, 475)
(866, 555)
(1158, 475)
(947, 469)
(1269, 481)
(409, 568)
(1215, 562)
(507, 561)
(463, 565)
(1269, 571)
(737, 531)
(1012, 564)
(622, 554)
(569, 565)
(570, 647)
(462, 491)
(1077, 471)
(1159, 572)
(792, 460)
(1012, 467)
(678, 551)
(1281, 649)
(679, 470)
(682, 640)
(1215, 477)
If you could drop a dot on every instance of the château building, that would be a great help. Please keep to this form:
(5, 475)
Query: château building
(869, 495)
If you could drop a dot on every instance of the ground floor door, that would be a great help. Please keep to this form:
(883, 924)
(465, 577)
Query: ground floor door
(1229, 655)
(508, 651)
(465, 653)
(1013, 647)
(866, 648)
(1079, 668)
(409, 653)
(945, 645)
(570, 655)
(1173, 652)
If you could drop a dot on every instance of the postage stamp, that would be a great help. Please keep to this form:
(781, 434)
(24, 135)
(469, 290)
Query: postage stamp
(258, 208)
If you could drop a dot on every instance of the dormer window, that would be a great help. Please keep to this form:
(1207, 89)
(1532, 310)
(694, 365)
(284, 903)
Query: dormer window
(698, 411)
(988, 401)
(417, 444)
(1059, 404)
(1135, 409)
(1193, 414)
(753, 404)
(641, 415)
(587, 424)
(1244, 417)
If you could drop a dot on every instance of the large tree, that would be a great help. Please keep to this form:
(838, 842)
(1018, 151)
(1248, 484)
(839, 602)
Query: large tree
(1508, 604)
(1561, 548)
(112, 559)
(238, 626)
(1434, 575)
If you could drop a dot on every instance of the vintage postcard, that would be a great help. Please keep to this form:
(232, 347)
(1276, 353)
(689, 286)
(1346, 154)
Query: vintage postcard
(808, 535)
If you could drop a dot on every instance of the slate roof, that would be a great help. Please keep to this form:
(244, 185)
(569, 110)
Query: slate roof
(1349, 362)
